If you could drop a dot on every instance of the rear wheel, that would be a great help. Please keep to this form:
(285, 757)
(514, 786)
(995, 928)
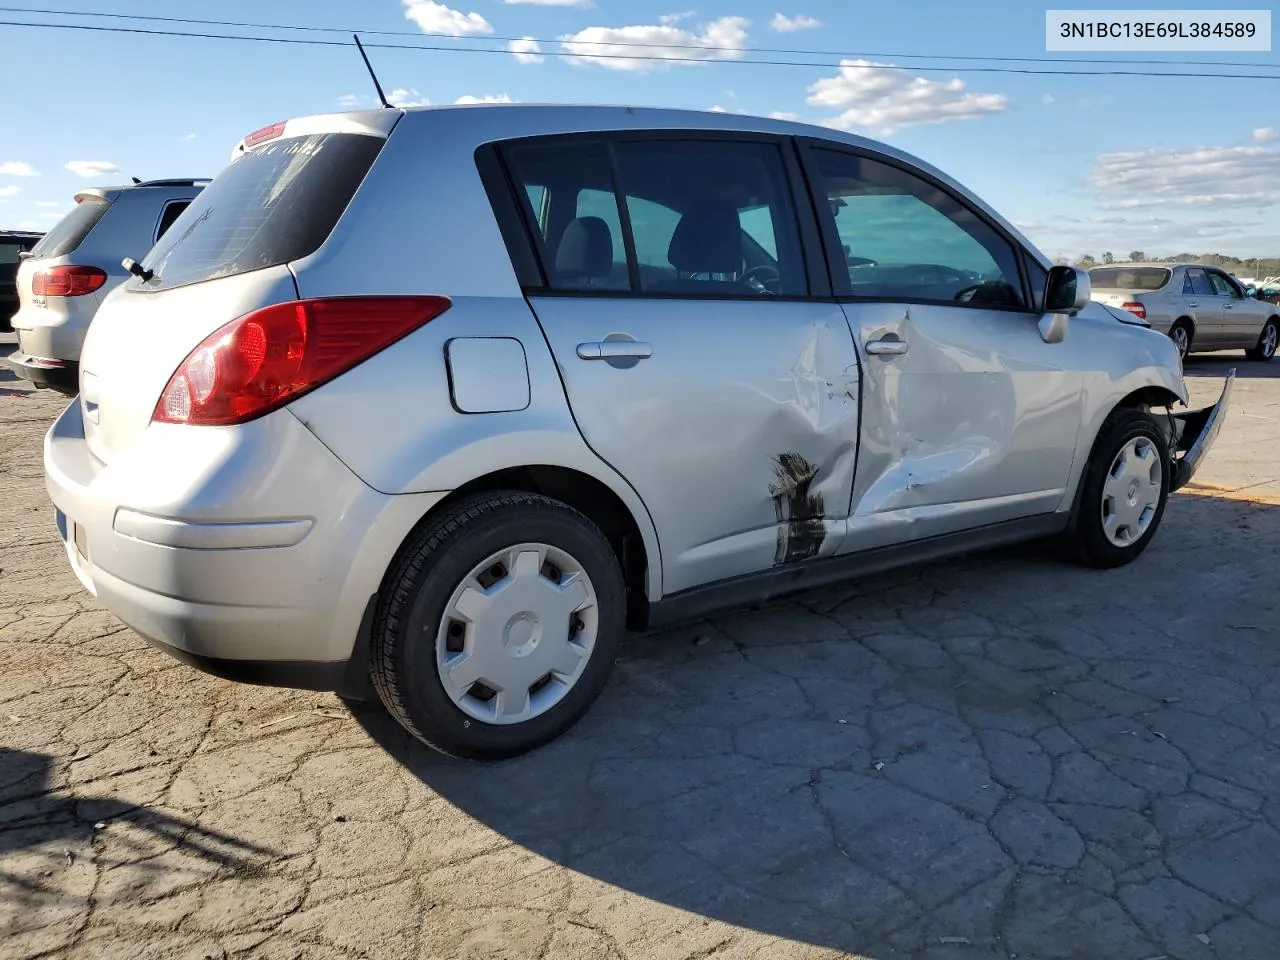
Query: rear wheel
(499, 625)
(1180, 334)
(1268, 340)
(1123, 491)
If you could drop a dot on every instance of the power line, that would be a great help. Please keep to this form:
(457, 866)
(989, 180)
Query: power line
(502, 51)
(704, 48)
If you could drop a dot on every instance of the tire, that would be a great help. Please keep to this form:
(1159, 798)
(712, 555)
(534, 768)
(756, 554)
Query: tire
(1268, 340)
(1181, 334)
(1103, 545)
(413, 643)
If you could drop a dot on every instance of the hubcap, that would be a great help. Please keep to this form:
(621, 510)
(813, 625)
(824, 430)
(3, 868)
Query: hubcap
(1131, 492)
(517, 634)
(1270, 336)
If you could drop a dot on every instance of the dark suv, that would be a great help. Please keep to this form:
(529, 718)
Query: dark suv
(13, 243)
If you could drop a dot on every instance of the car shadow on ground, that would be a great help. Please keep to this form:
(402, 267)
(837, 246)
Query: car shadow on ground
(1218, 364)
(946, 760)
(54, 844)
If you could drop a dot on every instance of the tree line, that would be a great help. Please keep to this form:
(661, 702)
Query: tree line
(1258, 267)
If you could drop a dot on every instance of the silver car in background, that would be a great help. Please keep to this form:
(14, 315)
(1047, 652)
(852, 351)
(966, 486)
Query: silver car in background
(1200, 308)
(68, 274)
(444, 399)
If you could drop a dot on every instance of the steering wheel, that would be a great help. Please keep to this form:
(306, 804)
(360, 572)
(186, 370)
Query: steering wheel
(762, 277)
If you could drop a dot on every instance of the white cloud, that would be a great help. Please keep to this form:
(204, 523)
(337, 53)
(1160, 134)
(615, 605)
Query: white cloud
(1263, 134)
(784, 115)
(1196, 177)
(874, 97)
(1047, 99)
(717, 109)
(403, 97)
(622, 48)
(1158, 236)
(526, 50)
(784, 24)
(29, 225)
(50, 216)
(487, 98)
(671, 19)
(189, 137)
(437, 18)
(50, 203)
(17, 168)
(549, 3)
(92, 168)
(7, 192)
(349, 100)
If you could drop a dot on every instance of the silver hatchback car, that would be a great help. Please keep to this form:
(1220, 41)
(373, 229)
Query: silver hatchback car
(446, 399)
(68, 274)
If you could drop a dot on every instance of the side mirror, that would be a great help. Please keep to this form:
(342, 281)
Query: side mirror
(1066, 292)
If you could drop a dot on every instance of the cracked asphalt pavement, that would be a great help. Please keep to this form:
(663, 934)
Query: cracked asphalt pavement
(1000, 756)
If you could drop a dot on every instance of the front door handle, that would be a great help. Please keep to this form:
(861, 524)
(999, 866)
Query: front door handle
(1228, 306)
(888, 347)
(1193, 303)
(615, 350)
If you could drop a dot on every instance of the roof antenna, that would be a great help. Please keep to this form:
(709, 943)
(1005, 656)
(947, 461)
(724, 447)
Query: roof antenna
(135, 180)
(376, 85)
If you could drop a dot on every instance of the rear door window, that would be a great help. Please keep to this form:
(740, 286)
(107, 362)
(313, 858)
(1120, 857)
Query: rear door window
(271, 205)
(171, 212)
(1200, 285)
(71, 230)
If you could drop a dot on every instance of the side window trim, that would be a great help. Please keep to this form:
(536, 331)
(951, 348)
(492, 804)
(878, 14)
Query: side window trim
(839, 274)
(512, 209)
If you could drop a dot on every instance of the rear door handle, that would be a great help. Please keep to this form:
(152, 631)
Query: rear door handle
(615, 350)
(1228, 306)
(888, 347)
(1193, 303)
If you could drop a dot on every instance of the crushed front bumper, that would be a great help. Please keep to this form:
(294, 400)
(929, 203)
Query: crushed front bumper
(1194, 433)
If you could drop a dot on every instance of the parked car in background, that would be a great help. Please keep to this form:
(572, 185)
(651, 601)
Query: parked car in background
(77, 263)
(1200, 308)
(604, 366)
(13, 244)
(1268, 294)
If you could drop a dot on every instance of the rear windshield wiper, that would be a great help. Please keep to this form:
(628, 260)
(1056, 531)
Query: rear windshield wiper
(137, 269)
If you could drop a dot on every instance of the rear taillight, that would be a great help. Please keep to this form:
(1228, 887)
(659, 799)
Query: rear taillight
(67, 281)
(266, 358)
(1137, 309)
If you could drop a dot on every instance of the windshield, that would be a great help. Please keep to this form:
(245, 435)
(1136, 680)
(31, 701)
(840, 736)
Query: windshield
(271, 205)
(1128, 278)
(71, 229)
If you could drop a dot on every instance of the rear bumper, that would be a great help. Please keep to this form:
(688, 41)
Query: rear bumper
(249, 552)
(1195, 434)
(60, 375)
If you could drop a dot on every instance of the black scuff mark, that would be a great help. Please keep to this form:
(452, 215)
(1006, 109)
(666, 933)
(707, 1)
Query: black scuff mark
(801, 526)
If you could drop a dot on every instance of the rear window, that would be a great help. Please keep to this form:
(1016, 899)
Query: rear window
(1129, 278)
(270, 206)
(71, 229)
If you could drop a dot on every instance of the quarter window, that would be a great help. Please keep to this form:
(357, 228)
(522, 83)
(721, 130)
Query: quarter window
(705, 218)
(170, 213)
(904, 239)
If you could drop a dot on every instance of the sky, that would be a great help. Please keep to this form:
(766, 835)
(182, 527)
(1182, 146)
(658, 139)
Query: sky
(1082, 164)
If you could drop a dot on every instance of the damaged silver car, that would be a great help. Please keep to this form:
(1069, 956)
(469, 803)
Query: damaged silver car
(433, 404)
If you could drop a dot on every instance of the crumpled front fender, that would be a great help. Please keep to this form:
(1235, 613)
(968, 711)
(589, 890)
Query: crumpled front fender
(1194, 433)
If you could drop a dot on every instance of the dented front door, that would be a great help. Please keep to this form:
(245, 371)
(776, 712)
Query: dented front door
(735, 421)
(969, 418)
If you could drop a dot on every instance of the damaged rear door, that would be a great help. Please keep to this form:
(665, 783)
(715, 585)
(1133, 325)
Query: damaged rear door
(683, 314)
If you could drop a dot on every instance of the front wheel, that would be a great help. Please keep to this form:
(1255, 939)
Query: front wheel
(1123, 491)
(1268, 340)
(498, 625)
